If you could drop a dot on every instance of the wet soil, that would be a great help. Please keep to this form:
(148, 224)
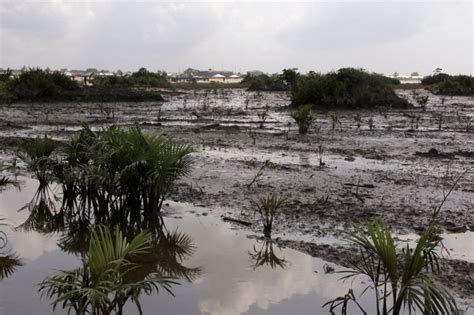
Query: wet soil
(399, 170)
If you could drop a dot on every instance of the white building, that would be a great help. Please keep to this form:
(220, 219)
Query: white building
(234, 79)
(219, 78)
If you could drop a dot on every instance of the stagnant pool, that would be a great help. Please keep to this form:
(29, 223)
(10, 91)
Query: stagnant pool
(224, 272)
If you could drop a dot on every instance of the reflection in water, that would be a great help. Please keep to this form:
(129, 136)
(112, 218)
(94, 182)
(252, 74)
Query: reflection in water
(154, 265)
(108, 278)
(264, 255)
(8, 261)
(225, 285)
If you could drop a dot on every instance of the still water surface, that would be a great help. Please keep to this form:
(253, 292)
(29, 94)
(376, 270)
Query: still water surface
(229, 282)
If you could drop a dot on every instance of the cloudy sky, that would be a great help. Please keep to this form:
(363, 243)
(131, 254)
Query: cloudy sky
(381, 36)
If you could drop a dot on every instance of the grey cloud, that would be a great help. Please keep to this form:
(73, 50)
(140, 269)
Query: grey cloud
(382, 36)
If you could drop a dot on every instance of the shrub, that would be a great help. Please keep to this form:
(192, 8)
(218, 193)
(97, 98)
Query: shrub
(346, 88)
(303, 117)
(265, 82)
(446, 84)
(36, 84)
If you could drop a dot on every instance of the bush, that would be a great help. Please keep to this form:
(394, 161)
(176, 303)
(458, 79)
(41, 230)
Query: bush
(446, 84)
(265, 82)
(346, 88)
(36, 84)
(435, 78)
(303, 118)
(42, 85)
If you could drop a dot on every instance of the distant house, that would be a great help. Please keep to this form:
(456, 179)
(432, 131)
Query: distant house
(206, 76)
(407, 79)
(219, 78)
(234, 79)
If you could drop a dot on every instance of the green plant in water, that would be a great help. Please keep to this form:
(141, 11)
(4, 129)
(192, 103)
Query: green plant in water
(36, 154)
(100, 286)
(303, 117)
(120, 172)
(401, 282)
(267, 207)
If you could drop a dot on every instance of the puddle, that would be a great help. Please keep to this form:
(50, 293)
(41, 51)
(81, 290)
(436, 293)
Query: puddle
(458, 245)
(229, 282)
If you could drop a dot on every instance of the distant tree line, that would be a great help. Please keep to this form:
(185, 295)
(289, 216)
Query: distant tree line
(140, 78)
(36, 84)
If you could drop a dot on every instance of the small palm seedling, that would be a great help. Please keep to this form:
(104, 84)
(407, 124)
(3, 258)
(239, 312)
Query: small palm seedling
(443, 100)
(334, 119)
(371, 124)
(100, 286)
(253, 135)
(404, 282)
(320, 153)
(422, 100)
(247, 102)
(205, 103)
(267, 207)
(262, 116)
(304, 118)
(415, 122)
(439, 120)
(265, 256)
(467, 123)
(358, 120)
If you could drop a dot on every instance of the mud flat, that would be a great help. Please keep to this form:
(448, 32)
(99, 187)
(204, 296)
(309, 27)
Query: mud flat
(333, 178)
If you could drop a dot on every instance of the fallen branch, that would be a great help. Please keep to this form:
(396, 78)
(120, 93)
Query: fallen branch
(237, 221)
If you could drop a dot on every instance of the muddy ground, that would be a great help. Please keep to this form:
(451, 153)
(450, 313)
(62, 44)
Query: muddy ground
(399, 170)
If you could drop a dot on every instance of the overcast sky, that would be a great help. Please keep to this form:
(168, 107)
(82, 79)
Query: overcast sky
(381, 36)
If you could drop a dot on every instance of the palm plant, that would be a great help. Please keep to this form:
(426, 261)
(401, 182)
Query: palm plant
(37, 156)
(304, 118)
(100, 286)
(401, 282)
(120, 172)
(267, 207)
